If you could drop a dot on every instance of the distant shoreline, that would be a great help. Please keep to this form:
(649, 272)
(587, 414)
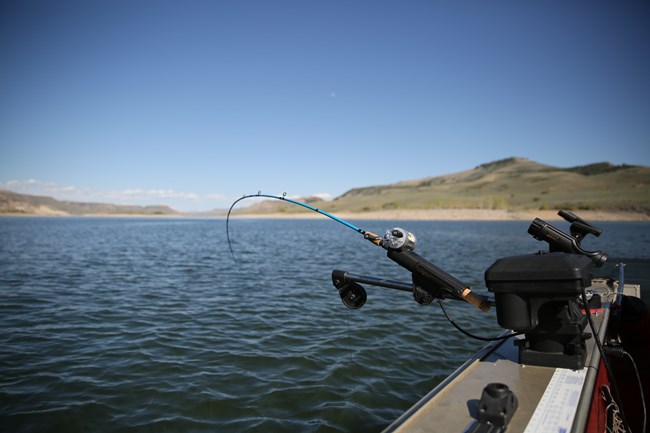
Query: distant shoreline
(462, 215)
(395, 215)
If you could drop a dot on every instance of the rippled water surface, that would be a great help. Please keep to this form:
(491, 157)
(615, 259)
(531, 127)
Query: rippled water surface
(148, 324)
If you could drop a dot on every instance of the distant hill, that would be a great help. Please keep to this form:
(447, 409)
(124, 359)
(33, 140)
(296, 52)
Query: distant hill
(23, 204)
(508, 184)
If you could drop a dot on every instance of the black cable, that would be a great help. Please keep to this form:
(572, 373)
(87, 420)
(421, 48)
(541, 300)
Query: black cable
(638, 378)
(477, 337)
(610, 372)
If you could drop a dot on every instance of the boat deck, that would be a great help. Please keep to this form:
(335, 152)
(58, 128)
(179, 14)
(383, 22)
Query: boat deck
(453, 405)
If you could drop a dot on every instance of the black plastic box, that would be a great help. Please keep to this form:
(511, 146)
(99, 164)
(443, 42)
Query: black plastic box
(537, 294)
(560, 273)
(523, 284)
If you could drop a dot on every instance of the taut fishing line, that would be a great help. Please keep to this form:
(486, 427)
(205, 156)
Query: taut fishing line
(366, 234)
(375, 239)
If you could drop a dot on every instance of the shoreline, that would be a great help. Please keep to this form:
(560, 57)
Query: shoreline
(460, 215)
(396, 215)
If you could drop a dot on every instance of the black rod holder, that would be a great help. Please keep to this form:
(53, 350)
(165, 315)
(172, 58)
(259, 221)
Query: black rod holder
(341, 277)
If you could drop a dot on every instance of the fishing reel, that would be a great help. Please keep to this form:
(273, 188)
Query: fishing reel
(428, 281)
(398, 239)
(352, 294)
(559, 241)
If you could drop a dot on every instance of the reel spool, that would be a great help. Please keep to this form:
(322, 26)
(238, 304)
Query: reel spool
(398, 239)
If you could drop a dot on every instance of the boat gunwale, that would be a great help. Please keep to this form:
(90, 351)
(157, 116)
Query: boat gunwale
(462, 369)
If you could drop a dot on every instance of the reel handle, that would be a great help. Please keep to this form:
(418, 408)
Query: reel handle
(374, 238)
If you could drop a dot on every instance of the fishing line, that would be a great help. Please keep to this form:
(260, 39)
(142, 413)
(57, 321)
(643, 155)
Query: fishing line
(351, 360)
(375, 239)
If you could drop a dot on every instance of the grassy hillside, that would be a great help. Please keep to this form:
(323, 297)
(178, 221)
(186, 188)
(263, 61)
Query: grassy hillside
(510, 184)
(14, 203)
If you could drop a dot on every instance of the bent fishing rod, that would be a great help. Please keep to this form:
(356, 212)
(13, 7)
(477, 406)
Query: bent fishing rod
(429, 281)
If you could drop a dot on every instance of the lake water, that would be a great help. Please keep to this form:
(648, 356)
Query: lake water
(138, 325)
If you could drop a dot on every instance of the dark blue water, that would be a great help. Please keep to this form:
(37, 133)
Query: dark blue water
(119, 325)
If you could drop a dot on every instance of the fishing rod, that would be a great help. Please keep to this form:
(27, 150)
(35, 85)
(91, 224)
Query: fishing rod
(375, 239)
(429, 281)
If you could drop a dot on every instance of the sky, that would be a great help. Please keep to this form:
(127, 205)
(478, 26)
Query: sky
(195, 103)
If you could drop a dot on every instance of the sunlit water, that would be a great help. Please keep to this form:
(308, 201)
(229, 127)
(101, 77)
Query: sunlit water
(119, 325)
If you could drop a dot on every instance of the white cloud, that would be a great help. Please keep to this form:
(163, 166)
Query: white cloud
(323, 195)
(320, 195)
(151, 194)
(33, 186)
(216, 196)
(179, 200)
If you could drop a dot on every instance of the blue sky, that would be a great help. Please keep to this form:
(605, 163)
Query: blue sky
(194, 103)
